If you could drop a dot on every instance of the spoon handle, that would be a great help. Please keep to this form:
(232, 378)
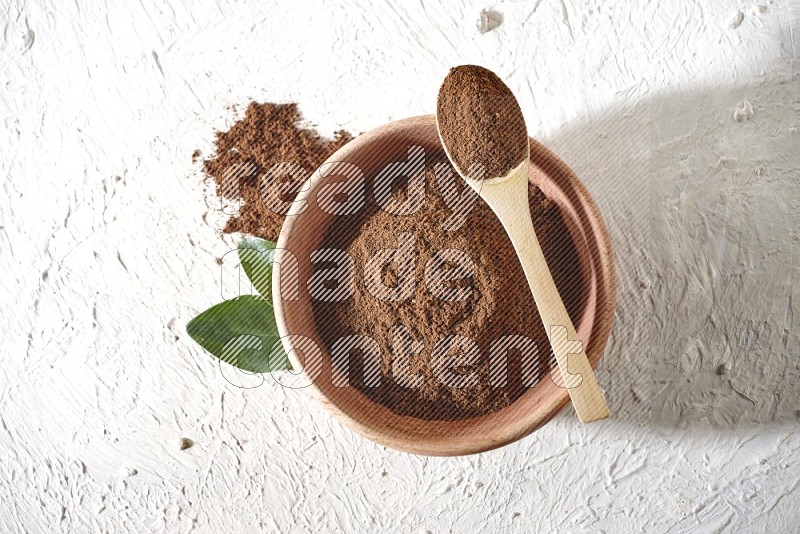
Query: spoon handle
(577, 372)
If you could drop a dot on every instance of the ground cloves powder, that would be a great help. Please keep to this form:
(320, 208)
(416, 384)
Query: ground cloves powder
(499, 302)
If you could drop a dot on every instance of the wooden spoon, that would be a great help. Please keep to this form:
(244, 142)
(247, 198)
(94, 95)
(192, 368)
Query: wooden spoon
(483, 133)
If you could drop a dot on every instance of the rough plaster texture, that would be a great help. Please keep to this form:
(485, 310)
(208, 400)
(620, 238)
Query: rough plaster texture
(682, 119)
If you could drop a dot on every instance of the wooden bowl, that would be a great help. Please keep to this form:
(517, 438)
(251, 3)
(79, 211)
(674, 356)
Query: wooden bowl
(303, 232)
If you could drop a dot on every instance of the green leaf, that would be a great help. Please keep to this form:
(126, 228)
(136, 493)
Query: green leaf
(257, 256)
(241, 332)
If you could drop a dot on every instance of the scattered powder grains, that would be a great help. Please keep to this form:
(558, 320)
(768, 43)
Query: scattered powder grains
(267, 135)
(499, 302)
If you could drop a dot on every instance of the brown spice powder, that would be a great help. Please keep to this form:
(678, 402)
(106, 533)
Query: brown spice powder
(268, 134)
(480, 121)
(500, 303)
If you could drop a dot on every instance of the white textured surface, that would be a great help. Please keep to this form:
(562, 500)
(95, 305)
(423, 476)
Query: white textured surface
(109, 239)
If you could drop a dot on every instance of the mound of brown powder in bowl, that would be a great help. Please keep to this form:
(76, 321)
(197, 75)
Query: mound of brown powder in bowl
(499, 303)
(267, 135)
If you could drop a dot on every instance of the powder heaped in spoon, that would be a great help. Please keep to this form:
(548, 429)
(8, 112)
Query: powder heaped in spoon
(480, 121)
